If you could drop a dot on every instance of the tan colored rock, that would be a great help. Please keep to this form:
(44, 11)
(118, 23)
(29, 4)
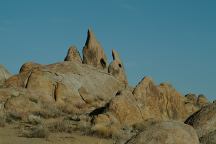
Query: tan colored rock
(21, 103)
(124, 107)
(4, 75)
(202, 101)
(147, 101)
(116, 68)
(190, 101)
(93, 53)
(169, 132)
(14, 81)
(204, 120)
(191, 98)
(159, 102)
(210, 138)
(21, 79)
(27, 67)
(73, 55)
(72, 86)
(194, 103)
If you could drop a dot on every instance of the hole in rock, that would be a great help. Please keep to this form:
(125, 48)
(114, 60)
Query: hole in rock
(100, 110)
(103, 63)
(118, 93)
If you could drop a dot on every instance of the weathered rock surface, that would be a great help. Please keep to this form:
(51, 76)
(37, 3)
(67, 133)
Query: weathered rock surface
(76, 87)
(202, 101)
(159, 102)
(21, 79)
(93, 53)
(204, 120)
(4, 75)
(116, 68)
(193, 102)
(125, 108)
(190, 101)
(73, 55)
(210, 138)
(85, 96)
(146, 101)
(166, 133)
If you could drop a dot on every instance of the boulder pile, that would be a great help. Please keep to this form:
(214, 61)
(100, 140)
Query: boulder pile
(95, 97)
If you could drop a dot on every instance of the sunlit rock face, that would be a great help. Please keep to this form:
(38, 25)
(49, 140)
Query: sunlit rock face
(93, 53)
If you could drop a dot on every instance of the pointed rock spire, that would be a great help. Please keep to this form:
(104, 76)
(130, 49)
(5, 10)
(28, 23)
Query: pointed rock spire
(93, 53)
(116, 68)
(115, 55)
(73, 55)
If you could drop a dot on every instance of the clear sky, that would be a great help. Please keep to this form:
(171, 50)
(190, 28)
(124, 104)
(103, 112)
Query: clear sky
(169, 40)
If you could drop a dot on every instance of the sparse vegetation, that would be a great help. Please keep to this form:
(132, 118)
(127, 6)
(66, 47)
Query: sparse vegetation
(142, 126)
(36, 132)
(35, 120)
(107, 131)
(12, 117)
(2, 121)
(48, 111)
(59, 125)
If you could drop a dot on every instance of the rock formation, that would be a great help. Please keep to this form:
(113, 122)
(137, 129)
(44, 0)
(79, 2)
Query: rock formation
(160, 102)
(4, 75)
(87, 97)
(210, 138)
(204, 120)
(194, 103)
(116, 68)
(73, 55)
(166, 133)
(71, 84)
(202, 101)
(93, 53)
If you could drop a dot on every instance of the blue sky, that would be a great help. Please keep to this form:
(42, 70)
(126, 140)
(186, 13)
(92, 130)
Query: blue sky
(169, 40)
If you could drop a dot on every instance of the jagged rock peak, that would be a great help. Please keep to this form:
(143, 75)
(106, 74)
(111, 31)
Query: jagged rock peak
(73, 55)
(159, 102)
(93, 53)
(145, 84)
(115, 55)
(116, 68)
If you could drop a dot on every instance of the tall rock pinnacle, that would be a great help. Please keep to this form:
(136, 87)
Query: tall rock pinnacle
(116, 68)
(93, 53)
(73, 55)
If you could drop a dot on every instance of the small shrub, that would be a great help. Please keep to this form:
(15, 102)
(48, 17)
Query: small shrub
(13, 117)
(84, 127)
(36, 132)
(35, 120)
(107, 131)
(60, 126)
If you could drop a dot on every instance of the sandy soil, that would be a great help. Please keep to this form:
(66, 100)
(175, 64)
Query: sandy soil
(10, 135)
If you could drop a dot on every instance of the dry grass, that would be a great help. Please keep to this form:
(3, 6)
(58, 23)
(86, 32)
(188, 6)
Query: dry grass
(2, 121)
(107, 131)
(142, 126)
(36, 132)
(60, 125)
(34, 120)
(12, 117)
